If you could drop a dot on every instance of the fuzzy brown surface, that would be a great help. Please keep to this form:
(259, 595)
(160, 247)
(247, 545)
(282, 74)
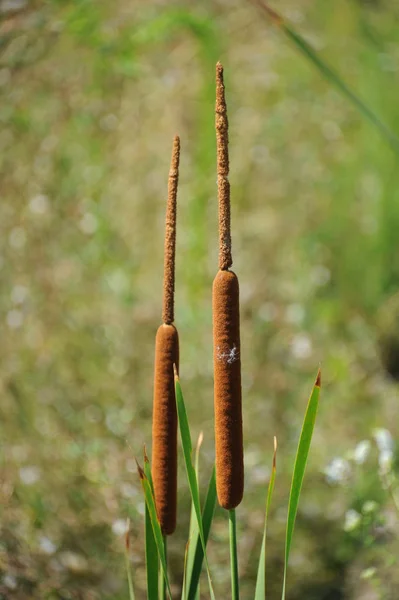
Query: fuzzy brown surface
(164, 427)
(170, 237)
(227, 390)
(222, 146)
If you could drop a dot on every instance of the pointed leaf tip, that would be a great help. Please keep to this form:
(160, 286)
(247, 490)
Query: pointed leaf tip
(140, 470)
(275, 453)
(127, 535)
(200, 440)
(175, 372)
(318, 379)
(145, 455)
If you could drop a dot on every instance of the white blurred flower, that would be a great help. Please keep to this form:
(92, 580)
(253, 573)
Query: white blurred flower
(118, 281)
(361, 452)
(74, 562)
(383, 439)
(120, 527)
(320, 275)
(128, 490)
(368, 573)
(38, 205)
(295, 314)
(369, 507)
(260, 474)
(352, 520)
(385, 461)
(301, 346)
(29, 475)
(15, 318)
(19, 294)
(88, 223)
(17, 238)
(10, 582)
(46, 545)
(268, 312)
(338, 471)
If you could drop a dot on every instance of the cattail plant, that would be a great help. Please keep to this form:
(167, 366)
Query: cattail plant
(164, 424)
(159, 483)
(226, 332)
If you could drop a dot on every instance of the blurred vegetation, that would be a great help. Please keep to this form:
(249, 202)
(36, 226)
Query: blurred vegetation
(91, 94)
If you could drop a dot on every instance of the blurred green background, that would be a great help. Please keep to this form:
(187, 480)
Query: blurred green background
(91, 94)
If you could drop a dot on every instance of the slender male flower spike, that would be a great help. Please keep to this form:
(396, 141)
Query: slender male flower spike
(226, 332)
(164, 423)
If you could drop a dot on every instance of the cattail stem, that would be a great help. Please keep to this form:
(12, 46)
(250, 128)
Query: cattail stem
(222, 146)
(162, 581)
(226, 334)
(164, 423)
(235, 588)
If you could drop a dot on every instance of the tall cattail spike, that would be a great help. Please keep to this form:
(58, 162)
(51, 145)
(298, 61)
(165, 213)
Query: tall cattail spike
(164, 416)
(222, 145)
(170, 237)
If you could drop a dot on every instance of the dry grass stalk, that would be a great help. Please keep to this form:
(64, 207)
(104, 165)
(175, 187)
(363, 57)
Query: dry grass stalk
(164, 424)
(226, 333)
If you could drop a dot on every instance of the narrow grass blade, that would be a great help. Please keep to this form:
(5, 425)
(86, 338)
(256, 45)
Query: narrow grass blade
(162, 581)
(192, 480)
(127, 561)
(299, 470)
(151, 553)
(235, 590)
(306, 49)
(184, 586)
(190, 548)
(156, 528)
(195, 541)
(260, 590)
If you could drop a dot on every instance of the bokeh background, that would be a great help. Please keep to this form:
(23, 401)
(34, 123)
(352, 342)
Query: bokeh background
(91, 94)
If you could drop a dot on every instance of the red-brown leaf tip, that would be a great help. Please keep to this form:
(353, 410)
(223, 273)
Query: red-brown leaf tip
(127, 535)
(146, 459)
(139, 469)
(318, 379)
(275, 453)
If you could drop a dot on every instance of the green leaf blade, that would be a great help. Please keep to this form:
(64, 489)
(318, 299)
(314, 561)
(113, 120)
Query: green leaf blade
(299, 470)
(156, 528)
(260, 590)
(195, 541)
(151, 552)
(191, 476)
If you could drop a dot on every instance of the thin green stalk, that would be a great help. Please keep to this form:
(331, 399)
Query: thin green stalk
(235, 592)
(127, 562)
(162, 583)
(260, 590)
(151, 551)
(329, 73)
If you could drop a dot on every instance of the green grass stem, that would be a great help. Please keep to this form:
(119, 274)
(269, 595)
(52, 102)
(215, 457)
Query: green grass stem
(235, 589)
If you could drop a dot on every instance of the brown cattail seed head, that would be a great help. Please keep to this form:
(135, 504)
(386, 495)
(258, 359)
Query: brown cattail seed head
(227, 390)
(164, 427)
